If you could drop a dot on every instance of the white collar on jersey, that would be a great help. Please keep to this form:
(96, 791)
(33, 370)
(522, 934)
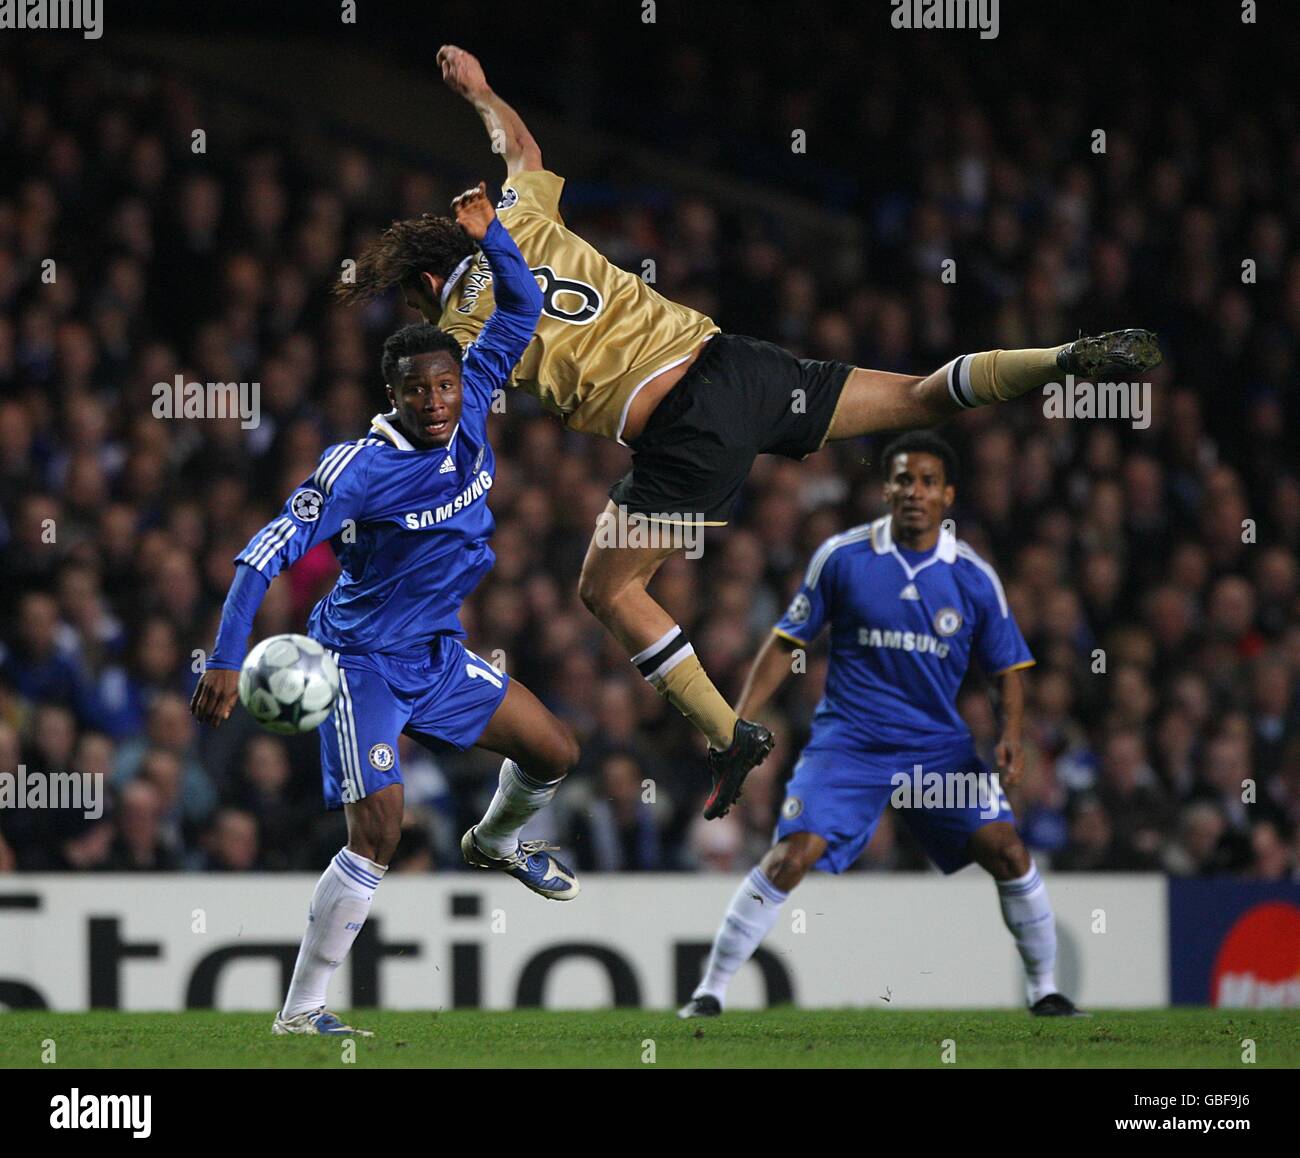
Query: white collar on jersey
(882, 542)
(386, 424)
(455, 276)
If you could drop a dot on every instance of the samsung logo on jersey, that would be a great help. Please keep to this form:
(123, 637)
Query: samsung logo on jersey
(415, 520)
(901, 641)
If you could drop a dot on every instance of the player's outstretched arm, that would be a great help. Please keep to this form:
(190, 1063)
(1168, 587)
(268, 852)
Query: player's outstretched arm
(771, 666)
(218, 686)
(518, 301)
(314, 513)
(508, 133)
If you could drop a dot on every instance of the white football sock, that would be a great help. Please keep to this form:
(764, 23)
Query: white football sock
(749, 918)
(1028, 913)
(518, 798)
(339, 907)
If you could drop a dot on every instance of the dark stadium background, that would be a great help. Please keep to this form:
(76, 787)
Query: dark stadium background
(675, 142)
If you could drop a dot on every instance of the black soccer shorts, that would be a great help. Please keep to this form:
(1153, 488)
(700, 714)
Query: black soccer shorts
(741, 398)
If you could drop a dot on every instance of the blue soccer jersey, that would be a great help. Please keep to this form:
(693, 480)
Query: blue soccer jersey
(410, 527)
(902, 634)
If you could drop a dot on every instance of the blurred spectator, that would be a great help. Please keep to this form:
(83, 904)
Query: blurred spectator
(140, 846)
(1196, 847)
(262, 788)
(1130, 792)
(230, 843)
(619, 830)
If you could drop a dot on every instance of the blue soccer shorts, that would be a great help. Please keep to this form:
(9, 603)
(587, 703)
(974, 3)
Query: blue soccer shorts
(839, 794)
(444, 699)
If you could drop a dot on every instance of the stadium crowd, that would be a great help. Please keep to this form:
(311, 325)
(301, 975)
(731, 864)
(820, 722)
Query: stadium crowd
(1152, 566)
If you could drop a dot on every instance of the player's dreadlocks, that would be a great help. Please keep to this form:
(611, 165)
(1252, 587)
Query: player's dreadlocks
(429, 244)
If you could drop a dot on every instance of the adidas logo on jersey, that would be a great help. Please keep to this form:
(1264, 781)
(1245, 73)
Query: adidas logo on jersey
(909, 592)
(448, 467)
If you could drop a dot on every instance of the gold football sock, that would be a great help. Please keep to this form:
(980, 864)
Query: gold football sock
(1000, 375)
(675, 672)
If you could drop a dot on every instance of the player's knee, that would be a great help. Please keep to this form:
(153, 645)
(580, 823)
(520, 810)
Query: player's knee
(1006, 861)
(375, 824)
(786, 873)
(565, 751)
(596, 594)
(785, 865)
(929, 399)
(387, 845)
(784, 876)
(553, 754)
(377, 842)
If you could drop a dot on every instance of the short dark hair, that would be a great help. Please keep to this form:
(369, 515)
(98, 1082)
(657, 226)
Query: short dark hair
(427, 244)
(417, 338)
(922, 442)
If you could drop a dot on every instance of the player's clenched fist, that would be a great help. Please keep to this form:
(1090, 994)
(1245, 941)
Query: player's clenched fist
(462, 72)
(214, 698)
(474, 211)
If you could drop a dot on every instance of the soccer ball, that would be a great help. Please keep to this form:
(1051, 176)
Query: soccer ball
(289, 684)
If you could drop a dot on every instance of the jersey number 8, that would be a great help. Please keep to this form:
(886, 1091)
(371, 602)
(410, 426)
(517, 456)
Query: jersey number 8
(552, 287)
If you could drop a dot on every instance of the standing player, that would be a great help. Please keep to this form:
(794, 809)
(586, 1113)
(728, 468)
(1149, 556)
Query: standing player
(406, 511)
(613, 358)
(907, 604)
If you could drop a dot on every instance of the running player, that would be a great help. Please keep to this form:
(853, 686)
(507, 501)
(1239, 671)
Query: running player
(406, 511)
(613, 358)
(908, 604)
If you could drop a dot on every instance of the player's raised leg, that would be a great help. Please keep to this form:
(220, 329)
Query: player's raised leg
(539, 751)
(613, 586)
(749, 918)
(1027, 911)
(874, 400)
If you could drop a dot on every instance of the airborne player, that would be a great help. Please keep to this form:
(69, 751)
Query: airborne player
(614, 358)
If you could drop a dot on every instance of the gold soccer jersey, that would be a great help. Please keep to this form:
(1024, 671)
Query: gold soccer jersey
(603, 332)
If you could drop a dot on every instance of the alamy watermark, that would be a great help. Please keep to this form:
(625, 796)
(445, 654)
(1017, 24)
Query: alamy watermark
(981, 14)
(87, 16)
(947, 790)
(1074, 399)
(80, 791)
(77, 1111)
(181, 399)
(634, 531)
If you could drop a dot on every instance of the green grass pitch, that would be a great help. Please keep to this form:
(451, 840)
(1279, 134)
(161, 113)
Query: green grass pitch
(781, 1038)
